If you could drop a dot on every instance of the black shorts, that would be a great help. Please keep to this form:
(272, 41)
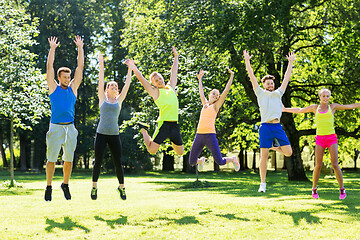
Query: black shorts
(169, 130)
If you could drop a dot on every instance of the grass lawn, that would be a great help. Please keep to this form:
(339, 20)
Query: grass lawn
(162, 206)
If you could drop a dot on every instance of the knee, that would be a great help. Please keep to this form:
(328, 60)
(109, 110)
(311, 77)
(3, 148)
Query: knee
(152, 151)
(288, 153)
(180, 152)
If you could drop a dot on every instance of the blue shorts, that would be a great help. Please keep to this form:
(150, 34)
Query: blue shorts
(268, 132)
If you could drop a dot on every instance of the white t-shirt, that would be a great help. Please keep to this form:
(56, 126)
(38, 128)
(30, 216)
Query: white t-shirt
(269, 103)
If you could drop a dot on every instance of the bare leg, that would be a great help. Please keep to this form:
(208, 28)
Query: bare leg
(151, 146)
(67, 169)
(264, 154)
(94, 185)
(179, 149)
(50, 170)
(285, 150)
(333, 150)
(319, 154)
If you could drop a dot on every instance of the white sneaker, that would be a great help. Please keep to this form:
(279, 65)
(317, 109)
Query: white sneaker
(201, 165)
(262, 187)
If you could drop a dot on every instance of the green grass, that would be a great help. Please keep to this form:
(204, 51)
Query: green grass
(166, 206)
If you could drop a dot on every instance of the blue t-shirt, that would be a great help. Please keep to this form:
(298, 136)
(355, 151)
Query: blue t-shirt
(62, 105)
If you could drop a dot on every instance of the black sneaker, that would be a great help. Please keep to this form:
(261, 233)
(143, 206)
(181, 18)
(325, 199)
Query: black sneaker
(122, 193)
(48, 192)
(93, 193)
(141, 125)
(65, 188)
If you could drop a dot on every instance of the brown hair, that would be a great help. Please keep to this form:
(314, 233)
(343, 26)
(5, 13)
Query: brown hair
(267, 77)
(63, 69)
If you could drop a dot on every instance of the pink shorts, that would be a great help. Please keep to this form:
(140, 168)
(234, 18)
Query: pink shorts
(326, 141)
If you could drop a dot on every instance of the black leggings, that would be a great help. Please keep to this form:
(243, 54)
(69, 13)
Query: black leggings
(115, 147)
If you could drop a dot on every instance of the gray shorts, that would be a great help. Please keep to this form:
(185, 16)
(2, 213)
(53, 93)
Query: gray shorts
(58, 136)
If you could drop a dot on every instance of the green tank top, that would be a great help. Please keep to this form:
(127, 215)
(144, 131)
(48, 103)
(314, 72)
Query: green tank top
(168, 104)
(324, 122)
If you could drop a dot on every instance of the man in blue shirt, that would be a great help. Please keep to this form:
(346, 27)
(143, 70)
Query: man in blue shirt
(62, 132)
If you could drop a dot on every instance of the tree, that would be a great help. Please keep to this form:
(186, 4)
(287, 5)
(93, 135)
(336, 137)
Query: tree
(22, 97)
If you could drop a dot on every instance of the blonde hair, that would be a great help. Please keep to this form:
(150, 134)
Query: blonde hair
(323, 90)
(153, 74)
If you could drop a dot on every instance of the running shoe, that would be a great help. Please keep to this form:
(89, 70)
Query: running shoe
(93, 193)
(315, 195)
(65, 188)
(236, 164)
(262, 187)
(48, 193)
(342, 193)
(201, 164)
(122, 193)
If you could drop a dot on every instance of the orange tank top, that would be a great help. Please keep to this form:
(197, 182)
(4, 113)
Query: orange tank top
(207, 120)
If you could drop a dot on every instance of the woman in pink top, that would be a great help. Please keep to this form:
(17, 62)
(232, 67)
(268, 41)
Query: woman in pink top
(325, 136)
(206, 134)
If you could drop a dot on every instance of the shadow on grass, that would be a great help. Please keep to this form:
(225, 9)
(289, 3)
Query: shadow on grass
(232, 216)
(67, 225)
(122, 220)
(298, 216)
(182, 221)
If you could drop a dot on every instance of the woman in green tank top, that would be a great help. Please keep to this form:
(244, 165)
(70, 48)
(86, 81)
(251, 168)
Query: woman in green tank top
(164, 96)
(325, 136)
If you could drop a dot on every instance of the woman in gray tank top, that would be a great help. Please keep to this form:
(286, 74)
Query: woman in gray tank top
(108, 129)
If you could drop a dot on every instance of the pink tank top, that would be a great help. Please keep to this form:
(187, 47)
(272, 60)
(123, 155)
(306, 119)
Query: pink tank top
(207, 120)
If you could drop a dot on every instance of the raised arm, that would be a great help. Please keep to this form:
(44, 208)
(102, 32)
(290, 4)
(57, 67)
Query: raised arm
(153, 92)
(101, 92)
(337, 106)
(201, 89)
(174, 69)
(311, 108)
(80, 64)
(50, 73)
(125, 88)
(250, 71)
(287, 76)
(223, 95)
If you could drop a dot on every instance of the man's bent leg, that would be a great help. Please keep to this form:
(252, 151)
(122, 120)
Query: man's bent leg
(179, 149)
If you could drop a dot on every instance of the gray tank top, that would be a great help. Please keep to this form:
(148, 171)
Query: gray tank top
(109, 118)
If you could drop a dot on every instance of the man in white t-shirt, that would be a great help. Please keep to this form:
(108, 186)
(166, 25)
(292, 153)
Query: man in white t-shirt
(270, 105)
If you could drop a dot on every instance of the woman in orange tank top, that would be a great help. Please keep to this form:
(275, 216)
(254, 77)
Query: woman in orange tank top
(206, 134)
(325, 136)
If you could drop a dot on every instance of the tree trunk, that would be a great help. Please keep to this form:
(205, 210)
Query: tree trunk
(186, 166)
(23, 154)
(86, 161)
(254, 160)
(246, 160)
(216, 167)
(3, 155)
(168, 161)
(241, 159)
(294, 163)
(357, 152)
(11, 146)
(273, 160)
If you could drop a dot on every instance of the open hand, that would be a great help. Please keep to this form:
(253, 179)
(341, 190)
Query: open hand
(53, 42)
